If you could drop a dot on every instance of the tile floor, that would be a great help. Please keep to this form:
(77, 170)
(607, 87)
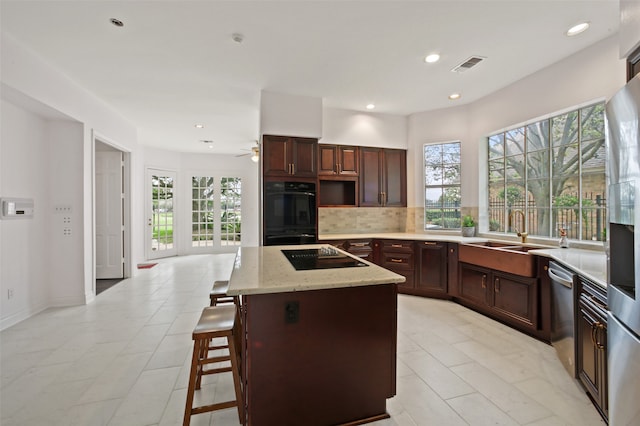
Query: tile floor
(124, 360)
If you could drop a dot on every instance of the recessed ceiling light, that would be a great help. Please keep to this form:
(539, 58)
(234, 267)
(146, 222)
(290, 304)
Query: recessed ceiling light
(434, 57)
(454, 96)
(116, 22)
(371, 106)
(199, 126)
(577, 29)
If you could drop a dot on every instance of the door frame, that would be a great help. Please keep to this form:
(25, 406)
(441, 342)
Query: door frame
(126, 203)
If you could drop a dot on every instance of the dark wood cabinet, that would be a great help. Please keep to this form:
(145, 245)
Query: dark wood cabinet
(362, 248)
(633, 64)
(337, 160)
(515, 298)
(432, 276)
(510, 298)
(383, 177)
(591, 339)
(285, 156)
(399, 256)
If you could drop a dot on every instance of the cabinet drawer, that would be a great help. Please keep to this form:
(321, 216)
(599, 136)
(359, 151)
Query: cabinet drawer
(397, 246)
(403, 261)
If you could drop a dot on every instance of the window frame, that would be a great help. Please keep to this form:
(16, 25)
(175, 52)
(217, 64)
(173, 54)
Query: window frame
(443, 187)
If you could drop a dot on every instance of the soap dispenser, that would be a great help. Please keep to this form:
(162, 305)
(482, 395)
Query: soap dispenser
(564, 242)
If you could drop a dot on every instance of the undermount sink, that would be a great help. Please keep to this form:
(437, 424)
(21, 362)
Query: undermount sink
(505, 257)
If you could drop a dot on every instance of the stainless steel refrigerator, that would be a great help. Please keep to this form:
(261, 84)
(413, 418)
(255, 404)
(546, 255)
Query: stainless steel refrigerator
(623, 292)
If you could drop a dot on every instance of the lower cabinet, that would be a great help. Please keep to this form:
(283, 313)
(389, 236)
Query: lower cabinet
(398, 256)
(510, 298)
(431, 270)
(591, 338)
(362, 247)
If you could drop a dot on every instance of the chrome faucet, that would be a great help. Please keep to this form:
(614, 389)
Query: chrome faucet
(522, 234)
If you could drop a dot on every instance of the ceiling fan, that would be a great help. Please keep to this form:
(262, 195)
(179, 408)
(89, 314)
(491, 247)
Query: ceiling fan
(255, 153)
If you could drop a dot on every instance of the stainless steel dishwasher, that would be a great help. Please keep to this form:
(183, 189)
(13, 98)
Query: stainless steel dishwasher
(562, 315)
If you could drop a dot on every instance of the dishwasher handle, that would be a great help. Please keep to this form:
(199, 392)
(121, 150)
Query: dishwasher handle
(557, 278)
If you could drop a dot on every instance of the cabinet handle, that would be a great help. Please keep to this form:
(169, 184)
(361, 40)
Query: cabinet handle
(451, 251)
(384, 198)
(599, 328)
(396, 245)
(496, 286)
(429, 243)
(396, 260)
(293, 169)
(358, 244)
(484, 281)
(339, 168)
(595, 327)
(597, 302)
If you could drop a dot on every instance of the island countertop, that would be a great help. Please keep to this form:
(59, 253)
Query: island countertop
(265, 269)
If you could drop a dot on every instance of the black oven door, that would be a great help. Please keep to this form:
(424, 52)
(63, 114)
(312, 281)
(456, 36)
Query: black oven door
(290, 213)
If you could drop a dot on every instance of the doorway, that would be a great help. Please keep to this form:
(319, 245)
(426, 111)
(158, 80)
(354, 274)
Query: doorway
(161, 216)
(111, 207)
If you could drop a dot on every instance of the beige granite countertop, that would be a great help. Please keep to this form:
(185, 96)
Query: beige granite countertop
(262, 270)
(590, 264)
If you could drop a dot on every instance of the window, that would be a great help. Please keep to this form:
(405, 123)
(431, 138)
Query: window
(202, 213)
(207, 204)
(230, 191)
(552, 170)
(442, 186)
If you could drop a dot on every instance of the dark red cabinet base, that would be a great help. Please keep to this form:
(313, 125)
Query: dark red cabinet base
(321, 357)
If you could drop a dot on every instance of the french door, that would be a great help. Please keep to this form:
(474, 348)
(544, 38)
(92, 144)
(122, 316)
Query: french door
(161, 214)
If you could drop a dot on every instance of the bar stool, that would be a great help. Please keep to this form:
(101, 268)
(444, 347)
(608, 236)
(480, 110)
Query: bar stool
(215, 322)
(218, 294)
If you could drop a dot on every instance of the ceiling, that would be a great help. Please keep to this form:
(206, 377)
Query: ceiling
(174, 64)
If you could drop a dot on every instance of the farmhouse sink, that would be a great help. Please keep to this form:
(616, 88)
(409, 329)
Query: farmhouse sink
(505, 257)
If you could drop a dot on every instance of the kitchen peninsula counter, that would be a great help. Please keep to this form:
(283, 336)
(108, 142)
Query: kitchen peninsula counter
(319, 346)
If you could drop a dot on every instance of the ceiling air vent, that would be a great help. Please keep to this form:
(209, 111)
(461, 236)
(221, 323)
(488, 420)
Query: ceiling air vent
(468, 64)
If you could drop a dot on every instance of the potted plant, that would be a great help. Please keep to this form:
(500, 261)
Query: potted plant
(468, 226)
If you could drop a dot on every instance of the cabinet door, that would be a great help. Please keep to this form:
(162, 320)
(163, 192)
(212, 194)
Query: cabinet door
(370, 177)
(327, 160)
(432, 267)
(516, 298)
(347, 160)
(304, 157)
(591, 341)
(395, 178)
(275, 151)
(473, 284)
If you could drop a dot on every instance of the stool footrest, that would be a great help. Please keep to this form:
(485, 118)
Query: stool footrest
(217, 370)
(215, 359)
(213, 407)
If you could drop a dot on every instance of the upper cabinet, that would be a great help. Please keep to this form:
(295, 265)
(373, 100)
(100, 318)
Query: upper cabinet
(286, 156)
(633, 64)
(337, 160)
(383, 177)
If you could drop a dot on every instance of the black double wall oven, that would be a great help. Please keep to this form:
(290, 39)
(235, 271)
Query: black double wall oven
(290, 213)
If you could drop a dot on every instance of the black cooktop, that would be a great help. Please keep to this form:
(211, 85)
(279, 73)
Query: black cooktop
(322, 258)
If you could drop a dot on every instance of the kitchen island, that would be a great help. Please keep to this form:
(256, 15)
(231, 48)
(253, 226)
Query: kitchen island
(320, 344)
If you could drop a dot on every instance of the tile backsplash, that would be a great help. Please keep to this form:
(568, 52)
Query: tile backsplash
(362, 220)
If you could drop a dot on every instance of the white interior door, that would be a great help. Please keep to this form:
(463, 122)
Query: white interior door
(161, 214)
(109, 215)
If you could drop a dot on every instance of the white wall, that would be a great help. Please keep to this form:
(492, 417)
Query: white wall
(290, 115)
(346, 127)
(51, 270)
(23, 257)
(590, 75)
